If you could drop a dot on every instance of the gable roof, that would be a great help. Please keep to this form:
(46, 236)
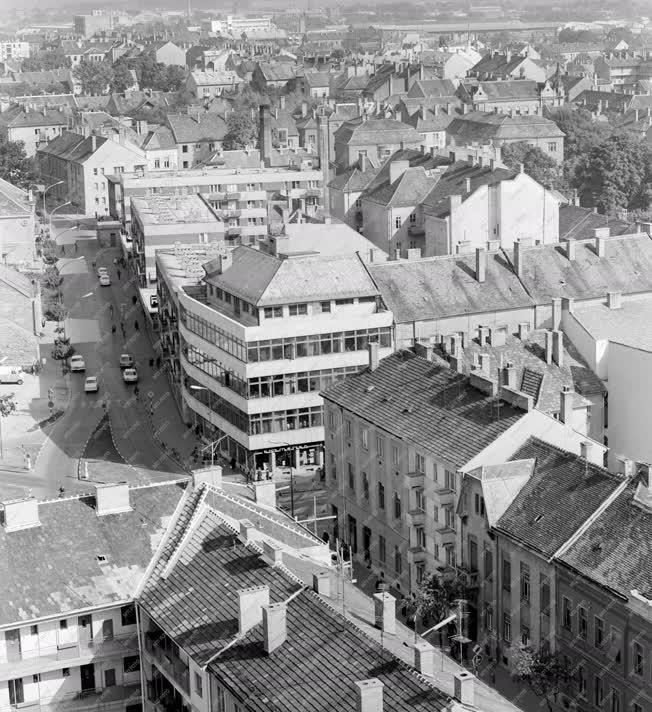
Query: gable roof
(500, 484)
(127, 541)
(563, 492)
(264, 280)
(616, 550)
(428, 405)
(21, 117)
(277, 71)
(431, 88)
(577, 223)
(484, 126)
(497, 64)
(546, 272)
(408, 189)
(446, 286)
(376, 131)
(206, 126)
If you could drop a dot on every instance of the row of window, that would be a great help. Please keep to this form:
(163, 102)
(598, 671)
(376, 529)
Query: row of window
(525, 588)
(213, 334)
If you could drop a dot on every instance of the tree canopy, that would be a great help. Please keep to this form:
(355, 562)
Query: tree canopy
(536, 163)
(48, 59)
(15, 167)
(544, 672)
(242, 131)
(94, 77)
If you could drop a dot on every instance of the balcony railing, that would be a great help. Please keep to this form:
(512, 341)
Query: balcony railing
(173, 666)
(96, 699)
(416, 516)
(415, 478)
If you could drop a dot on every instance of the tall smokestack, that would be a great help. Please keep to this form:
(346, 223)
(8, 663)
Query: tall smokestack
(324, 154)
(265, 135)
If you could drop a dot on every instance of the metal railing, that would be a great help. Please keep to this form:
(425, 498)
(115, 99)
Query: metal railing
(99, 699)
(173, 666)
(93, 647)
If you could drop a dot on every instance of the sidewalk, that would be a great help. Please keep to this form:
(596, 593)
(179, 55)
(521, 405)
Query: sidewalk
(25, 430)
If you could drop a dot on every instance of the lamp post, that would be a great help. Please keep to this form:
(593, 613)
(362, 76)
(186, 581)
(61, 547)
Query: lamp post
(275, 442)
(63, 232)
(63, 205)
(45, 190)
(212, 446)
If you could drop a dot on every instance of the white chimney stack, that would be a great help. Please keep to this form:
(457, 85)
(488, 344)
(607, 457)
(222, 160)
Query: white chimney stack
(614, 300)
(370, 695)
(465, 688)
(250, 607)
(373, 348)
(566, 398)
(385, 612)
(480, 264)
(424, 657)
(321, 583)
(20, 514)
(265, 493)
(112, 498)
(275, 629)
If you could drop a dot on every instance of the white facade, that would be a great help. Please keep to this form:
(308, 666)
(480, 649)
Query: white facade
(13, 49)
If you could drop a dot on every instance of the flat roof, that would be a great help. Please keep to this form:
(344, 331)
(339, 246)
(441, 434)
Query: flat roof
(629, 325)
(169, 209)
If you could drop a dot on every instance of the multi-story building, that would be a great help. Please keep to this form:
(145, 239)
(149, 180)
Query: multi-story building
(84, 165)
(260, 335)
(399, 437)
(496, 65)
(604, 605)
(17, 228)
(13, 50)
(520, 96)
(161, 221)
(34, 126)
(88, 25)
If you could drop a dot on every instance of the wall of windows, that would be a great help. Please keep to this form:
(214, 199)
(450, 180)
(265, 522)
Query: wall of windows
(218, 405)
(213, 334)
(282, 420)
(214, 368)
(285, 384)
(317, 345)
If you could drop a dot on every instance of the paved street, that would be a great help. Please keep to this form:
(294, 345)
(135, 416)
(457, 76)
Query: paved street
(89, 327)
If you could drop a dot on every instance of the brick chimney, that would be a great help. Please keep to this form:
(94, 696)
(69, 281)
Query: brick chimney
(373, 349)
(274, 626)
(250, 607)
(566, 400)
(369, 695)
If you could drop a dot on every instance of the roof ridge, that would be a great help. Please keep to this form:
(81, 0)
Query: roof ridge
(561, 450)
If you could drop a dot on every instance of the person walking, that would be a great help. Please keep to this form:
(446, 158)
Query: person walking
(118, 271)
(75, 247)
(137, 392)
(115, 261)
(113, 329)
(158, 363)
(151, 363)
(136, 325)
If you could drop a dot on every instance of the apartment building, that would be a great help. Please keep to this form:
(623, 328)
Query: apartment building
(162, 221)
(242, 197)
(84, 164)
(69, 632)
(399, 436)
(13, 50)
(17, 224)
(259, 335)
(34, 126)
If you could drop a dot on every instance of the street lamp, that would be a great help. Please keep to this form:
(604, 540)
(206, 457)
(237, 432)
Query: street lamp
(275, 442)
(215, 443)
(63, 232)
(45, 190)
(63, 205)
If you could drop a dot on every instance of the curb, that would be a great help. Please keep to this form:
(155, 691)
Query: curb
(83, 451)
(62, 413)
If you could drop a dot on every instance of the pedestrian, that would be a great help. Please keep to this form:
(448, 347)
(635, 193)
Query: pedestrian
(158, 363)
(111, 309)
(113, 329)
(134, 299)
(118, 275)
(115, 261)
(151, 363)
(75, 247)
(136, 392)
(136, 325)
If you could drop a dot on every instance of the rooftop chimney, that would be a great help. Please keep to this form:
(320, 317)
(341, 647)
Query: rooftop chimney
(424, 657)
(509, 375)
(20, 514)
(465, 688)
(523, 330)
(556, 312)
(569, 248)
(558, 347)
(272, 553)
(497, 335)
(373, 348)
(385, 612)
(321, 583)
(467, 184)
(485, 364)
(265, 493)
(548, 347)
(566, 399)
(370, 695)
(626, 467)
(275, 629)
(518, 258)
(480, 264)
(614, 300)
(112, 498)
(247, 531)
(250, 607)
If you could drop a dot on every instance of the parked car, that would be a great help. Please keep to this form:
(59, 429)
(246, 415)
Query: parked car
(129, 375)
(126, 361)
(77, 363)
(91, 385)
(105, 280)
(101, 271)
(153, 301)
(9, 374)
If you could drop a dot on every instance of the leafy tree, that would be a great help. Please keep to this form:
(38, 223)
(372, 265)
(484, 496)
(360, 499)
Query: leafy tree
(572, 36)
(582, 133)
(536, 163)
(62, 350)
(15, 167)
(544, 672)
(241, 131)
(56, 311)
(436, 595)
(617, 173)
(49, 251)
(175, 78)
(122, 78)
(94, 77)
(48, 59)
(7, 407)
(51, 278)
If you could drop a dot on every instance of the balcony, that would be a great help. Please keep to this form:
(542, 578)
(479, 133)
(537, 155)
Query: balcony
(230, 213)
(234, 196)
(414, 479)
(470, 577)
(233, 231)
(98, 700)
(416, 554)
(416, 517)
(173, 666)
(446, 532)
(445, 495)
(313, 193)
(26, 662)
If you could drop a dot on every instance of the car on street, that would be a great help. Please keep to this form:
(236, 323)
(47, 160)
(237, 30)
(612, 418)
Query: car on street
(91, 385)
(101, 271)
(129, 375)
(105, 280)
(9, 374)
(153, 301)
(126, 361)
(77, 363)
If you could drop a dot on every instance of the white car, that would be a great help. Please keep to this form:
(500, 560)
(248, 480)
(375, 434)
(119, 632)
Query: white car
(77, 363)
(91, 385)
(101, 271)
(129, 375)
(105, 280)
(126, 361)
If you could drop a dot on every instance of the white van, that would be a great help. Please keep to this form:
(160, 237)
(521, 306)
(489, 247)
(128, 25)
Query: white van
(11, 374)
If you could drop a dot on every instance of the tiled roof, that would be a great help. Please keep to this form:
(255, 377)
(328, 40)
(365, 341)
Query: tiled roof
(563, 492)
(14, 201)
(71, 146)
(376, 131)
(159, 138)
(263, 279)
(629, 324)
(353, 179)
(484, 126)
(446, 286)
(431, 88)
(496, 64)
(577, 223)
(317, 79)
(315, 670)
(546, 272)
(616, 550)
(429, 406)
(277, 71)
(435, 120)
(18, 117)
(408, 189)
(40, 577)
(212, 78)
(523, 89)
(204, 127)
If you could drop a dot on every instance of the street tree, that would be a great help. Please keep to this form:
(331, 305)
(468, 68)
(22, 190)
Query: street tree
(122, 77)
(43, 61)
(617, 173)
(15, 167)
(241, 132)
(62, 350)
(7, 407)
(51, 278)
(49, 251)
(544, 672)
(94, 77)
(536, 163)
